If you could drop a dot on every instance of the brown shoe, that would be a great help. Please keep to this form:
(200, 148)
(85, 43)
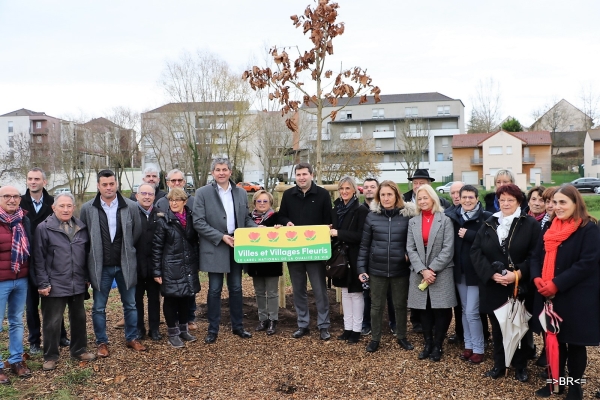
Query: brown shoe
(49, 365)
(20, 369)
(86, 356)
(120, 324)
(3, 378)
(192, 326)
(136, 345)
(466, 354)
(103, 350)
(476, 358)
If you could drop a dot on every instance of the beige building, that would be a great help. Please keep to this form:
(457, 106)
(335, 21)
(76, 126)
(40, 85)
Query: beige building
(478, 156)
(591, 154)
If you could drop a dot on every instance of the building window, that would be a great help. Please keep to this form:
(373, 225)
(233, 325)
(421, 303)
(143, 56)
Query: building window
(350, 129)
(38, 138)
(377, 144)
(443, 110)
(445, 142)
(508, 149)
(346, 114)
(495, 150)
(10, 127)
(38, 125)
(178, 135)
(411, 111)
(11, 142)
(382, 128)
(571, 127)
(378, 113)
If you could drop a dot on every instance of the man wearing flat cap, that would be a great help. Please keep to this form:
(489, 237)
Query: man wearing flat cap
(419, 178)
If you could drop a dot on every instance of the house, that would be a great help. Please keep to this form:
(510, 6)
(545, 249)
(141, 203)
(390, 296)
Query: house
(591, 154)
(562, 117)
(478, 156)
(387, 126)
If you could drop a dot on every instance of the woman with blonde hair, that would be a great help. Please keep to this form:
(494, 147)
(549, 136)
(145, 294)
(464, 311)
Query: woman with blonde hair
(431, 250)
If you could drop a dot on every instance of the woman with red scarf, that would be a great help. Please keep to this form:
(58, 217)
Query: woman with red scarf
(565, 270)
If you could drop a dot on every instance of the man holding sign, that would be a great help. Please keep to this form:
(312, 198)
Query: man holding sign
(307, 204)
(219, 209)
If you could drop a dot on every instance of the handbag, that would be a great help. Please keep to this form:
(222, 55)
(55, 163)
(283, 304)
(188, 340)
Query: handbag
(338, 265)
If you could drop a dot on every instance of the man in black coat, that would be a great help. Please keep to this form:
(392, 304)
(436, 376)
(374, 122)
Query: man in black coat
(307, 204)
(151, 177)
(145, 282)
(38, 204)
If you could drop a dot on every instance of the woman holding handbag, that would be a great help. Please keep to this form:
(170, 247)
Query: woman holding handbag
(348, 216)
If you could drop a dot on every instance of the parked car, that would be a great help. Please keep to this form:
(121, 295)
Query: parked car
(262, 187)
(135, 189)
(360, 189)
(249, 187)
(445, 188)
(586, 184)
(62, 190)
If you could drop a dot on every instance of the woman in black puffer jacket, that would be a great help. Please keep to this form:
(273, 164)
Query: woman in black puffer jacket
(175, 261)
(382, 259)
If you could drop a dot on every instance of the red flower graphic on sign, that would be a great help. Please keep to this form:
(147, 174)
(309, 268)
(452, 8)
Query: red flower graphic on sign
(291, 236)
(273, 236)
(254, 237)
(310, 235)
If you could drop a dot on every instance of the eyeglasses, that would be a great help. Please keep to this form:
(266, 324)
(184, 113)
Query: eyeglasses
(175, 200)
(263, 201)
(176, 180)
(15, 197)
(146, 194)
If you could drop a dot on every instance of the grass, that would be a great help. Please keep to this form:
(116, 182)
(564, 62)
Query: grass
(74, 375)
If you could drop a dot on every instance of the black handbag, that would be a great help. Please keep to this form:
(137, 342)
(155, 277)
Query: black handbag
(338, 266)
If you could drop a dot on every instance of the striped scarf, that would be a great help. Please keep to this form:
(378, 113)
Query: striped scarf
(19, 252)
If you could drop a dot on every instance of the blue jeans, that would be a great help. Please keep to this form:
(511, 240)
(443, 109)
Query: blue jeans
(215, 286)
(99, 307)
(14, 292)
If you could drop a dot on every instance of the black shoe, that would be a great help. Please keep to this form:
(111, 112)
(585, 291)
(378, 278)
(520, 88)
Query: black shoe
(542, 361)
(544, 374)
(598, 394)
(272, 328)
(345, 335)
(64, 342)
(34, 349)
(405, 344)
(372, 346)
(426, 349)
(210, 338)
(417, 328)
(366, 331)
(575, 392)
(262, 326)
(155, 335)
(521, 374)
(436, 353)
(300, 332)
(354, 338)
(546, 392)
(141, 334)
(324, 334)
(495, 372)
(242, 333)
(454, 339)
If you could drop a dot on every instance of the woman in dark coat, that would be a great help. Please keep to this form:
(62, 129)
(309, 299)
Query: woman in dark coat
(565, 270)
(468, 219)
(502, 251)
(175, 261)
(383, 258)
(265, 276)
(348, 216)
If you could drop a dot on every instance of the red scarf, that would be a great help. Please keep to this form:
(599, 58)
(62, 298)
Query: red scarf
(182, 217)
(558, 232)
(538, 217)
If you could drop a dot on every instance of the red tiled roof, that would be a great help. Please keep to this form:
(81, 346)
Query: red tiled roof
(475, 139)
(469, 139)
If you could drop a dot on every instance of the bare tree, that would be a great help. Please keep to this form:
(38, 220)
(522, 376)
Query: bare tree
(123, 150)
(353, 157)
(321, 24)
(551, 117)
(485, 115)
(590, 102)
(413, 143)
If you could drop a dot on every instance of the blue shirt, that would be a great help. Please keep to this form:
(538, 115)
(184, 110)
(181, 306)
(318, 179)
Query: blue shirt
(37, 205)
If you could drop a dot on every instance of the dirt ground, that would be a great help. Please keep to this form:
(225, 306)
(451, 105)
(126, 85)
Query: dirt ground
(277, 367)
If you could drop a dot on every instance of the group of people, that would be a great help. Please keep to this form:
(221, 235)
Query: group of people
(417, 252)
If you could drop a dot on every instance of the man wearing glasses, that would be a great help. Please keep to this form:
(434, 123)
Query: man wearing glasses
(15, 248)
(151, 177)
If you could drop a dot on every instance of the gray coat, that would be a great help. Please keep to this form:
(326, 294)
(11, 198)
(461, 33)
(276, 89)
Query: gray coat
(210, 221)
(59, 261)
(440, 251)
(132, 229)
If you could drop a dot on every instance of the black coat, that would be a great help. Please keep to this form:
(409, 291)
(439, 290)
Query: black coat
(35, 219)
(143, 246)
(350, 232)
(383, 244)
(267, 268)
(462, 246)
(577, 277)
(310, 208)
(486, 249)
(175, 256)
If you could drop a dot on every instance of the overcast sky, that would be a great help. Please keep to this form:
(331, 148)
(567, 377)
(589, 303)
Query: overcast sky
(69, 58)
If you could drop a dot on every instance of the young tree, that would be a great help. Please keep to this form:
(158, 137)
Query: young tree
(485, 115)
(413, 142)
(590, 104)
(512, 125)
(320, 22)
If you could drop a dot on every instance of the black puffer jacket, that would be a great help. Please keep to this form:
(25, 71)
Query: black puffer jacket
(462, 246)
(175, 256)
(350, 232)
(383, 244)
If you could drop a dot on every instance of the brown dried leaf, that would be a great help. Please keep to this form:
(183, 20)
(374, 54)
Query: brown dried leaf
(120, 378)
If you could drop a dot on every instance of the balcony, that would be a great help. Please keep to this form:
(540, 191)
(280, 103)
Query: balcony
(350, 135)
(476, 161)
(384, 134)
(528, 160)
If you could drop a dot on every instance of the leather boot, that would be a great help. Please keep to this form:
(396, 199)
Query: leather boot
(185, 335)
(575, 392)
(345, 335)
(174, 338)
(436, 352)
(427, 348)
(354, 338)
(272, 327)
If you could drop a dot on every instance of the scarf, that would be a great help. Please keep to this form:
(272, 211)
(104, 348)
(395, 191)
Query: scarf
(558, 232)
(19, 252)
(504, 224)
(146, 212)
(182, 217)
(545, 220)
(538, 217)
(468, 215)
(342, 209)
(259, 217)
